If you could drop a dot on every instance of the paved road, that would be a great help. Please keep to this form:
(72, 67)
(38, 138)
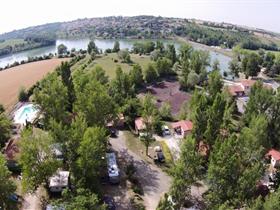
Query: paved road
(153, 180)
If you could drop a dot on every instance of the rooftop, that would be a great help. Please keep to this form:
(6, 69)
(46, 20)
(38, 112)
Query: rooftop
(60, 179)
(185, 125)
(274, 153)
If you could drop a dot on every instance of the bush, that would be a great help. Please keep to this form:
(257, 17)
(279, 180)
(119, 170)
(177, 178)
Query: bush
(22, 96)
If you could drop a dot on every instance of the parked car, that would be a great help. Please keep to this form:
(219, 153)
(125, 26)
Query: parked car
(109, 201)
(165, 131)
(159, 156)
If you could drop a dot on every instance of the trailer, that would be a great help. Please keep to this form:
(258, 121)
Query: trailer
(113, 170)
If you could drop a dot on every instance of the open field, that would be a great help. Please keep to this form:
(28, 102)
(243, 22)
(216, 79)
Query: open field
(168, 91)
(108, 64)
(26, 75)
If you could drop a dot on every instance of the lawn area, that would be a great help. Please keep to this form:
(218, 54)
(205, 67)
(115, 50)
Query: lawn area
(108, 64)
(11, 42)
(135, 145)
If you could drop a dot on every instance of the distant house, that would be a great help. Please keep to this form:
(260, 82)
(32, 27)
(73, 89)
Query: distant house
(247, 85)
(274, 157)
(236, 90)
(59, 181)
(182, 128)
(140, 126)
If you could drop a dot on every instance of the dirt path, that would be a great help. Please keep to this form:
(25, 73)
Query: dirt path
(31, 202)
(154, 181)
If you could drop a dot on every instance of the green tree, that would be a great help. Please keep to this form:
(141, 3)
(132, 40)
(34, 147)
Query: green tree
(131, 109)
(65, 72)
(116, 47)
(83, 199)
(94, 103)
(234, 67)
(7, 187)
(99, 74)
(92, 158)
(186, 172)
(149, 114)
(61, 49)
(92, 48)
(260, 101)
(199, 107)
(215, 84)
(165, 111)
(121, 87)
(136, 76)
(193, 80)
(5, 129)
(150, 74)
(216, 65)
(37, 159)
(124, 56)
(75, 135)
(22, 95)
(272, 201)
(250, 64)
(170, 53)
(199, 61)
(164, 67)
(215, 119)
(52, 97)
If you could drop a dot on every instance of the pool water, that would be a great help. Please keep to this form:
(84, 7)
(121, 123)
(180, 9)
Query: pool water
(25, 113)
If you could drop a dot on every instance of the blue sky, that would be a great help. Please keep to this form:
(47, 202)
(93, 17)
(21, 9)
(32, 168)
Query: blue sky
(17, 14)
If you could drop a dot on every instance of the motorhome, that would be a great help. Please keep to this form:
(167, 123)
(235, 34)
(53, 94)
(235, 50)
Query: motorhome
(113, 170)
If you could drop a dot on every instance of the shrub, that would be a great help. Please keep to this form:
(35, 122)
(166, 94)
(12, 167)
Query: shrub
(167, 154)
(22, 96)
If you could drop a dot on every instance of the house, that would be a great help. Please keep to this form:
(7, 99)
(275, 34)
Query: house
(236, 90)
(274, 157)
(140, 126)
(182, 128)
(247, 84)
(59, 181)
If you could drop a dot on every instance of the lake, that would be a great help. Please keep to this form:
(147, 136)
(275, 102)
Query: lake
(101, 44)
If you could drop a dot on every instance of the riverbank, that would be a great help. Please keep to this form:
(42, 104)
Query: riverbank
(26, 75)
(225, 52)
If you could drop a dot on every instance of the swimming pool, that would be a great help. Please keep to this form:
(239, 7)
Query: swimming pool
(25, 113)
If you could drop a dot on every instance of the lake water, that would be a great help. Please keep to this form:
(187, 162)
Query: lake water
(102, 44)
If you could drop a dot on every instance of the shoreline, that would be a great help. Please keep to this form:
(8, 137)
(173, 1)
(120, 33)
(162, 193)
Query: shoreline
(205, 47)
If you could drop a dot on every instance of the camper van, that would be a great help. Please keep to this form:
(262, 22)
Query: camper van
(113, 170)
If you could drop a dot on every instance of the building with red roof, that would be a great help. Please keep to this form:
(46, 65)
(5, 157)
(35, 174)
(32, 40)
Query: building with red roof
(274, 157)
(182, 128)
(236, 90)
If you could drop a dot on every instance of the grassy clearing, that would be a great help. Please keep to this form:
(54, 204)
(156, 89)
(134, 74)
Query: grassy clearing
(135, 145)
(108, 64)
(11, 42)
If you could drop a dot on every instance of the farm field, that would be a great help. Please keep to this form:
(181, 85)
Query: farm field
(108, 64)
(26, 75)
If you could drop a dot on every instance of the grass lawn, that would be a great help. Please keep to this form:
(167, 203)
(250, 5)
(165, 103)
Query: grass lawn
(108, 64)
(135, 145)
(11, 42)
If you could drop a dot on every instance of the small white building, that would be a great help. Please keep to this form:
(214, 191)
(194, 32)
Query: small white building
(59, 181)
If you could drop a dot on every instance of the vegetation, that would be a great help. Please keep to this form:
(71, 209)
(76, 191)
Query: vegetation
(7, 187)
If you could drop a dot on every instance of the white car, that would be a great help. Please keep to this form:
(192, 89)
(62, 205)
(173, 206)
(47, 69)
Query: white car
(165, 131)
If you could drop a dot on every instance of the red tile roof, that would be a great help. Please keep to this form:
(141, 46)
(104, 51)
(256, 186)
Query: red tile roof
(139, 123)
(234, 89)
(247, 82)
(185, 125)
(274, 153)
